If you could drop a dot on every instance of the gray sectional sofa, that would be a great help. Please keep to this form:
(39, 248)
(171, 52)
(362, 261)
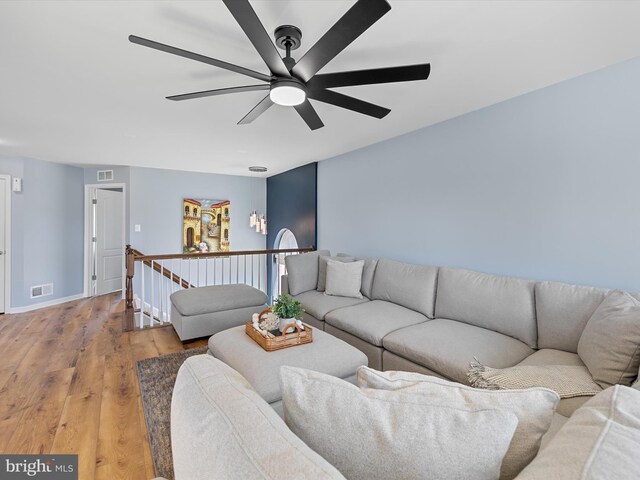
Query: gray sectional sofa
(436, 320)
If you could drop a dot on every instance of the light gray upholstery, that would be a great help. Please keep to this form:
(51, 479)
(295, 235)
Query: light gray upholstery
(303, 271)
(318, 304)
(411, 286)
(322, 268)
(373, 353)
(325, 354)
(368, 273)
(447, 347)
(548, 356)
(391, 361)
(220, 427)
(284, 284)
(372, 321)
(562, 311)
(600, 441)
(207, 324)
(216, 298)
(313, 321)
(501, 304)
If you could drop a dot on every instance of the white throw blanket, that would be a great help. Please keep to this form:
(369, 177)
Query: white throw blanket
(566, 380)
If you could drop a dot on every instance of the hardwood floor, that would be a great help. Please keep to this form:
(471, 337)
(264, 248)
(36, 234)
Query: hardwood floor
(68, 385)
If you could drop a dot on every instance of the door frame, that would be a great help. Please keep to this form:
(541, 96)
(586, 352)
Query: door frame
(7, 244)
(89, 190)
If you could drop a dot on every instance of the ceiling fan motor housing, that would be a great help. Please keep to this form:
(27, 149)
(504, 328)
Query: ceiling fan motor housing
(288, 34)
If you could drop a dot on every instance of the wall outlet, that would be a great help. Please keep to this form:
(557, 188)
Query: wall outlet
(16, 184)
(137, 228)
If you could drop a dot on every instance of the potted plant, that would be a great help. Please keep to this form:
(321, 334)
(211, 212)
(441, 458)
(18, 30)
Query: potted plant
(287, 310)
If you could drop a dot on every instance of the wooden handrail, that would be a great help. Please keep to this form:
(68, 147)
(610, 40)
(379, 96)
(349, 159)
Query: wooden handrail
(133, 255)
(169, 256)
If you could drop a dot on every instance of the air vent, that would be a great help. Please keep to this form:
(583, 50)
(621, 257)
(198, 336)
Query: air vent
(41, 290)
(105, 175)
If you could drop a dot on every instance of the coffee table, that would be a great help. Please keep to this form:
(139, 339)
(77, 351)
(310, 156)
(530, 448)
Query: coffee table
(326, 354)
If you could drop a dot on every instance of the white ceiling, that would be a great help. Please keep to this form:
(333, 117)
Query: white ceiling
(74, 90)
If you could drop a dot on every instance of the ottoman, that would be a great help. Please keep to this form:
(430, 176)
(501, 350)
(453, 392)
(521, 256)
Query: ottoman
(203, 311)
(326, 354)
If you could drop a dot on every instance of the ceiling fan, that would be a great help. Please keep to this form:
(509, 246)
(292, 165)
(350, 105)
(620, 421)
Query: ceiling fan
(293, 83)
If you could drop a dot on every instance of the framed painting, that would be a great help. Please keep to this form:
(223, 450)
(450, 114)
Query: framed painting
(205, 226)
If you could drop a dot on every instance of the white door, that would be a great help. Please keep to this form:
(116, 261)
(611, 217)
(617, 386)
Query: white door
(109, 246)
(4, 185)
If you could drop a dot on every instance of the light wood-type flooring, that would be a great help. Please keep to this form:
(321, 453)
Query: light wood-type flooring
(68, 385)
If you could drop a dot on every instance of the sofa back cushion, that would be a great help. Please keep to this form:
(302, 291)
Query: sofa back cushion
(322, 268)
(562, 311)
(220, 427)
(411, 286)
(302, 271)
(502, 304)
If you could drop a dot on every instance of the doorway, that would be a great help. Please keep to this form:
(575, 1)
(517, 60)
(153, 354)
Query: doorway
(285, 239)
(105, 239)
(5, 240)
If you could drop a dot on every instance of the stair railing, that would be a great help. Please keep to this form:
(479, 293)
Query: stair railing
(151, 279)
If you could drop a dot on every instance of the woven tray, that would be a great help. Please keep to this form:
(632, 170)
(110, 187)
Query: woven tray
(277, 342)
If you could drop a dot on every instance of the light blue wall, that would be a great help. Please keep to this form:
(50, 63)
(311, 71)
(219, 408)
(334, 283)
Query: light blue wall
(47, 229)
(156, 204)
(545, 186)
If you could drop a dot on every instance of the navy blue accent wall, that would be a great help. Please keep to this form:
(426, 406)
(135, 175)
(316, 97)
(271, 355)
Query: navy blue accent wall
(291, 203)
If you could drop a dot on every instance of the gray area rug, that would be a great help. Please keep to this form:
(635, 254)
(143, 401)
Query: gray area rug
(157, 376)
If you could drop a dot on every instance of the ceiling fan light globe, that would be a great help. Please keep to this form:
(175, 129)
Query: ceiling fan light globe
(287, 95)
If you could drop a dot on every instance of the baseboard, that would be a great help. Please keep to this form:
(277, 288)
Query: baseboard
(50, 303)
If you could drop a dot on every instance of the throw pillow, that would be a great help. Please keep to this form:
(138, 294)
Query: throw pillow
(376, 434)
(533, 407)
(322, 268)
(600, 440)
(344, 279)
(302, 271)
(610, 342)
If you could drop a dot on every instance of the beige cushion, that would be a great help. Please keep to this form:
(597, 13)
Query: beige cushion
(601, 440)
(376, 434)
(447, 347)
(318, 304)
(322, 268)
(534, 407)
(220, 427)
(610, 343)
(344, 279)
(302, 271)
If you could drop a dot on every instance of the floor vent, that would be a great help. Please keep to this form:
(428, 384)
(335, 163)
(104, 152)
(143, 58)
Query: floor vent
(105, 175)
(41, 290)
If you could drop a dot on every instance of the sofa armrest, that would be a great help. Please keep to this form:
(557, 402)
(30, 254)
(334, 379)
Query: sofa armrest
(284, 284)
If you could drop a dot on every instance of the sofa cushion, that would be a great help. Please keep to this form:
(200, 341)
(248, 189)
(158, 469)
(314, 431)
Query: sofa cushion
(344, 279)
(562, 311)
(610, 342)
(376, 434)
(411, 286)
(372, 321)
(447, 347)
(534, 407)
(216, 298)
(318, 304)
(302, 271)
(549, 356)
(501, 304)
(368, 272)
(601, 440)
(220, 426)
(322, 268)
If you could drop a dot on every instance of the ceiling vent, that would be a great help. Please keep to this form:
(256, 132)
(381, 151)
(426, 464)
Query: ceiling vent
(105, 175)
(41, 290)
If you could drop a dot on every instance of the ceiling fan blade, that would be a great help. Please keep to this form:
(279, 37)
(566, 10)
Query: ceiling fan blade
(406, 73)
(309, 115)
(198, 58)
(253, 28)
(219, 91)
(350, 103)
(352, 24)
(256, 111)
